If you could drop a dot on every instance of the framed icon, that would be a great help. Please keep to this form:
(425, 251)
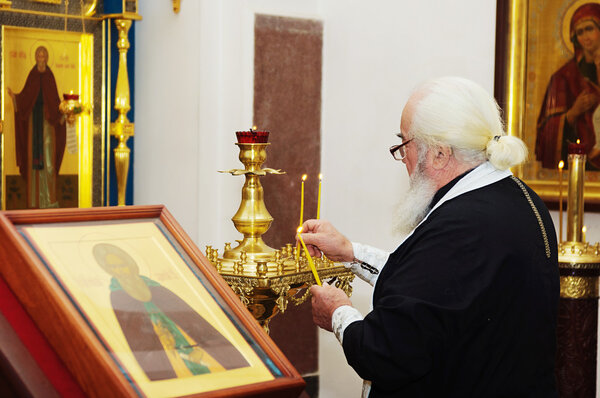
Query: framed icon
(547, 84)
(133, 308)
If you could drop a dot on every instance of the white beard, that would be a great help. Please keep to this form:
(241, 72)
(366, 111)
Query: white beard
(415, 205)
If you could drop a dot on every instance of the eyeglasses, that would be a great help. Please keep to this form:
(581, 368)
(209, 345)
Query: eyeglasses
(398, 151)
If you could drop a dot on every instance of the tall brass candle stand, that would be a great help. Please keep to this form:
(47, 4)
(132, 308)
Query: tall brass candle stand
(579, 267)
(122, 128)
(266, 279)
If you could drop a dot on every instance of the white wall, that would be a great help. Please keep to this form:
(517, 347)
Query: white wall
(194, 90)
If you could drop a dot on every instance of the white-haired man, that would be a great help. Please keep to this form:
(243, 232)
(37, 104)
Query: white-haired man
(466, 306)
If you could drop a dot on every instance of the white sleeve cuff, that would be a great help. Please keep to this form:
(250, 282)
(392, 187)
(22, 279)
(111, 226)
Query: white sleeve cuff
(341, 318)
(368, 262)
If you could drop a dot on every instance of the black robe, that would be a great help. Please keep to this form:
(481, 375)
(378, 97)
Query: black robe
(467, 305)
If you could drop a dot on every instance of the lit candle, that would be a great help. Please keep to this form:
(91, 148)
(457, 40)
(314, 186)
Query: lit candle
(302, 200)
(309, 258)
(319, 198)
(576, 148)
(583, 230)
(71, 96)
(561, 164)
(301, 215)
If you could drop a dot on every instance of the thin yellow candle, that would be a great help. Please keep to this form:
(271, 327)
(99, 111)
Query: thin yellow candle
(302, 200)
(561, 164)
(301, 214)
(319, 198)
(309, 258)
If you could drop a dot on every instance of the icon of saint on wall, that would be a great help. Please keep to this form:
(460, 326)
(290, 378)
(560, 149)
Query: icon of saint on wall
(570, 110)
(39, 132)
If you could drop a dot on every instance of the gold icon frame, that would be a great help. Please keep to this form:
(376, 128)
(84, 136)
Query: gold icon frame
(77, 44)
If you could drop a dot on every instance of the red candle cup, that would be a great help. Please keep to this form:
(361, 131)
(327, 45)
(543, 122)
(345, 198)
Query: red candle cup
(576, 149)
(74, 97)
(252, 137)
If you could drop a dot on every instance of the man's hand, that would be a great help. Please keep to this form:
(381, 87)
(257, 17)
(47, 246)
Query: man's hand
(325, 300)
(321, 237)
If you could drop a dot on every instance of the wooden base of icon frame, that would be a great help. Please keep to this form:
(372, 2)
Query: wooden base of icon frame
(133, 308)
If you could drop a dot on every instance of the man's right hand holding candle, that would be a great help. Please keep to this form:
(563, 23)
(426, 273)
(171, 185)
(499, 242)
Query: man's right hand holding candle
(321, 237)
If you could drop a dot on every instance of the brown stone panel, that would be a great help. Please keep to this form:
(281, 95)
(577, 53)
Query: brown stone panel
(287, 102)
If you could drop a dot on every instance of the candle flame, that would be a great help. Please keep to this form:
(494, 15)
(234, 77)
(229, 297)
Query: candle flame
(299, 229)
(561, 164)
(584, 229)
(304, 177)
(578, 142)
(320, 176)
(254, 128)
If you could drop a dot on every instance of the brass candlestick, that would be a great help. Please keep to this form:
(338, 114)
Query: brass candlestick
(252, 218)
(266, 279)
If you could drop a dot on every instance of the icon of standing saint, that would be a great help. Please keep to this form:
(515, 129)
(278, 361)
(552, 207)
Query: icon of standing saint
(40, 132)
(571, 107)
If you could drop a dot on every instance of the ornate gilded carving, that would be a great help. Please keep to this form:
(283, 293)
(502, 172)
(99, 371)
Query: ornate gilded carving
(579, 265)
(576, 287)
(572, 253)
(301, 299)
(282, 293)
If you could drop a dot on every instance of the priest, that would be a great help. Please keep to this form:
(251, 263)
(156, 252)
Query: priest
(466, 306)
